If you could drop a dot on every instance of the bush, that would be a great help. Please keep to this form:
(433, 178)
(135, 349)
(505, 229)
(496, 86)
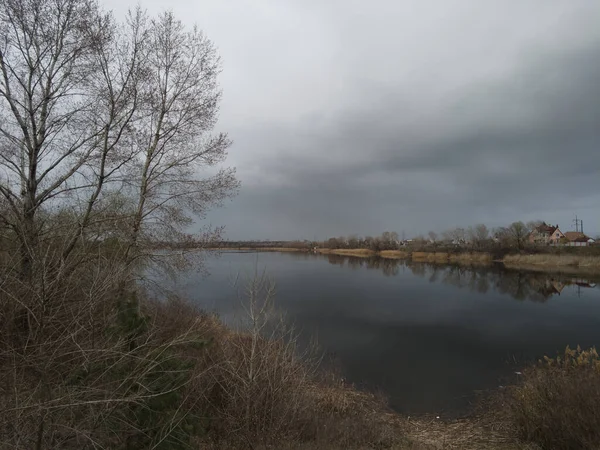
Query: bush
(557, 405)
(261, 390)
(108, 367)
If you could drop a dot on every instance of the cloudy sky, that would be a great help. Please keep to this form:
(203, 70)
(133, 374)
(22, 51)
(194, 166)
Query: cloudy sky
(358, 117)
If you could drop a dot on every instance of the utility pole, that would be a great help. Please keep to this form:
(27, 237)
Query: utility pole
(576, 220)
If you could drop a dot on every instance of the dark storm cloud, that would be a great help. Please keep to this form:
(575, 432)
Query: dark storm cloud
(357, 117)
(528, 142)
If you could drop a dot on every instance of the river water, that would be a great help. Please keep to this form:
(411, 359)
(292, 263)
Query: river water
(430, 337)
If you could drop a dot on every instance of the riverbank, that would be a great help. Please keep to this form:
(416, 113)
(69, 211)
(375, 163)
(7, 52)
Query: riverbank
(568, 263)
(457, 258)
(264, 249)
(554, 260)
(357, 252)
(571, 263)
(290, 403)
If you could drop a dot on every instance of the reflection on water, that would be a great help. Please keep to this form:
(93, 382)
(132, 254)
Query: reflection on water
(426, 335)
(519, 284)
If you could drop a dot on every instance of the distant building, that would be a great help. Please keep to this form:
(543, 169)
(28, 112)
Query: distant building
(578, 239)
(546, 234)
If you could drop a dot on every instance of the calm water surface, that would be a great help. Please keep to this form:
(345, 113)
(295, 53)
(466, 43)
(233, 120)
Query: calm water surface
(429, 337)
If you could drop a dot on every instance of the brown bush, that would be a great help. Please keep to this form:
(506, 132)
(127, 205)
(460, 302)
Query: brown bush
(90, 362)
(557, 405)
(261, 390)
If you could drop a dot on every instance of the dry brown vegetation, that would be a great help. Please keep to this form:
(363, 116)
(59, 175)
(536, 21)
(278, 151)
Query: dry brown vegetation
(88, 367)
(394, 254)
(445, 257)
(557, 404)
(99, 365)
(430, 256)
(106, 129)
(268, 249)
(359, 252)
(470, 257)
(553, 260)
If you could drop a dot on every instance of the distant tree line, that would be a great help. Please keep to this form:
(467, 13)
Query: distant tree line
(299, 244)
(388, 240)
(480, 237)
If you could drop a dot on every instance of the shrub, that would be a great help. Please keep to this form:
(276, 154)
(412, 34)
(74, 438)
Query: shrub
(557, 404)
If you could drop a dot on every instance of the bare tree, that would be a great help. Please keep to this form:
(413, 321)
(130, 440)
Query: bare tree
(533, 224)
(447, 236)
(353, 241)
(68, 92)
(478, 235)
(433, 237)
(104, 128)
(517, 232)
(388, 240)
(172, 135)
(92, 109)
(45, 64)
(456, 236)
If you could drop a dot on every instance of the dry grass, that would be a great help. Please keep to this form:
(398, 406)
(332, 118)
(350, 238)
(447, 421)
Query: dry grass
(267, 249)
(466, 434)
(359, 252)
(458, 258)
(557, 405)
(430, 256)
(471, 257)
(553, 260)
(394, 254)
(260, 391)
(95, 379)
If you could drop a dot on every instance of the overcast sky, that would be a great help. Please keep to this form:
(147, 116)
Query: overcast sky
(359, 117)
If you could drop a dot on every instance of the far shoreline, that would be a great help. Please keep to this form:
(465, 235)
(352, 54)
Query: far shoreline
(544, 262)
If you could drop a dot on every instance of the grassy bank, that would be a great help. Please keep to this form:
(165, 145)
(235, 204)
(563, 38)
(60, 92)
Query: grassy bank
(263, 249)
(580, 261)
(128, 373)
(457, 258)
(365, 253)
(358, 252)
(262, 392)
(394, 254)
(276, 397)
(553, 260)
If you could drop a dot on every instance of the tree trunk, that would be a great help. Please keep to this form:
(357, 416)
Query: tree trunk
(29, 240)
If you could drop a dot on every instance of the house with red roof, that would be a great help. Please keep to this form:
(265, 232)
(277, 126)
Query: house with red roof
(578, 239)
(546, 234)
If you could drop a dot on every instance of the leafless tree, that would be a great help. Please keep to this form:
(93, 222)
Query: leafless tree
(104, 127)
(92, 109)
(433, 237)
(353, 241)
(456, 236)
(478, 235)
(46, 63)
(519, 233)
(515, 235)
(173, 137)
(388, 240)
(68, 93)
(447, 236)
(533, 224)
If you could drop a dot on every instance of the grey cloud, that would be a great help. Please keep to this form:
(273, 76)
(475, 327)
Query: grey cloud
(509, 143)
(356, 117)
